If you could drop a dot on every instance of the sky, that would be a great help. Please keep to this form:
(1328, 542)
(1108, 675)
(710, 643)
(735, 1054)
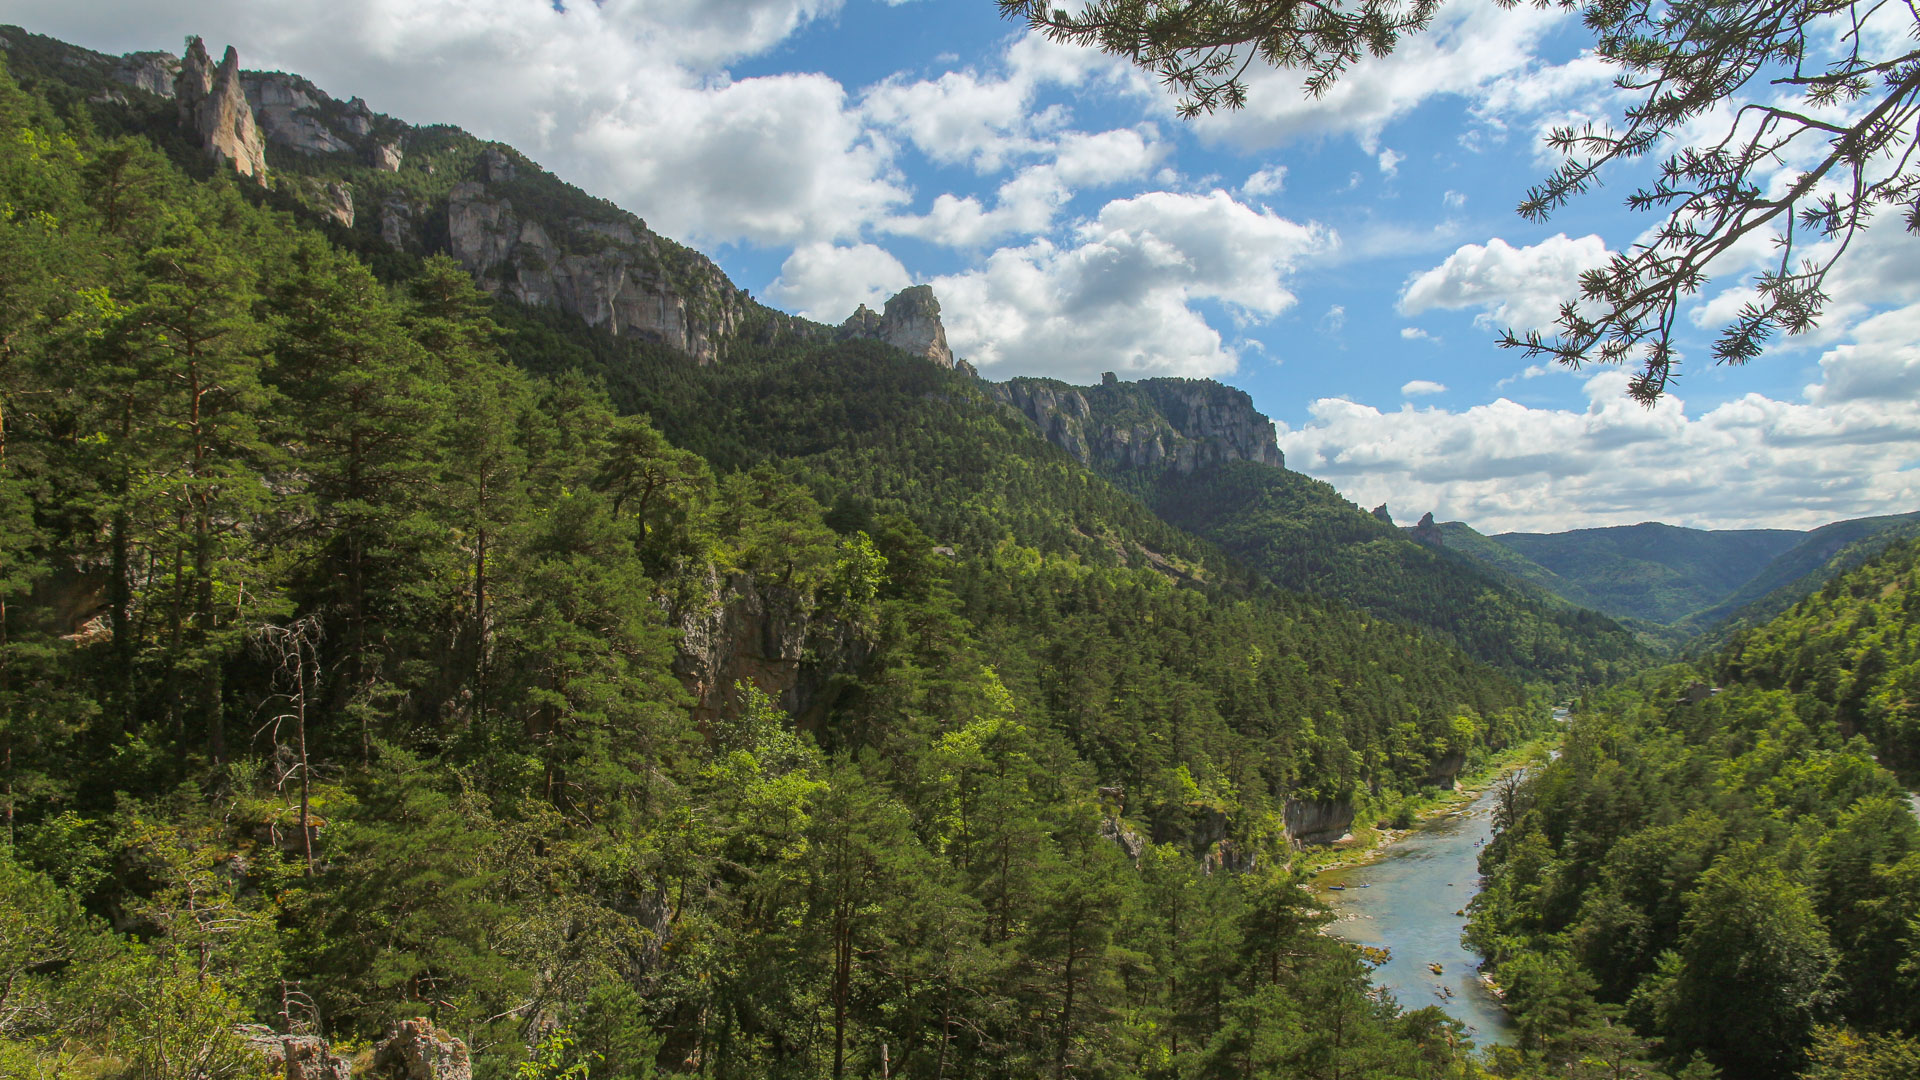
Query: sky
(1348, 261)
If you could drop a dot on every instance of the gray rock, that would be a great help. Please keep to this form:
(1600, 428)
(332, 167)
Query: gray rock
(911, 324)
(1190, 423)
(417, 1050)
(338, 203)
(612, 274)
(385, 156)
(297, 1057)
(396, 224)
(359, 118)
(1317, 821)
(496, 165)
(289, 109)
(153, 72)
(214, 110)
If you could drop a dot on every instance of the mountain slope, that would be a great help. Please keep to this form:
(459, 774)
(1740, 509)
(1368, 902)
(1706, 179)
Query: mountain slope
(1798, 571)
(723, 692)
(1727, 824)
(1659, 573)
(1198, 454)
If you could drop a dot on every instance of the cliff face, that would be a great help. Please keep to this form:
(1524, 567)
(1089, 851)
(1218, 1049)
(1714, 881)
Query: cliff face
(1156, 424)
(764, 635)
(214, 110)
(615, 274)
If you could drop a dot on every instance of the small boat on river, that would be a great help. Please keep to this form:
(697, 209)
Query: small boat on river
(1435, 968)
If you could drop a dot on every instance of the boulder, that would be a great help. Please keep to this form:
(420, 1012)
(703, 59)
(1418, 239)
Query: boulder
(297, 1057)
(418, 1050)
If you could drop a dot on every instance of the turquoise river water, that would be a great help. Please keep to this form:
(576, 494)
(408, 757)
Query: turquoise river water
(1407, 901)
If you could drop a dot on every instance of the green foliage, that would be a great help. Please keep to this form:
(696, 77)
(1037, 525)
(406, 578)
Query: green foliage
(1728, 869)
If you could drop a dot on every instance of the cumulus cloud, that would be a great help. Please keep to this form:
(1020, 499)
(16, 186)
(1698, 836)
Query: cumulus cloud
(626, 98)
(1390, 163)
(1119, 295)
(1421, 387)
(826, 282)
(1268, 181)
(1521, 287)
(1468, 51)
(1414, 333)
(1848, 450)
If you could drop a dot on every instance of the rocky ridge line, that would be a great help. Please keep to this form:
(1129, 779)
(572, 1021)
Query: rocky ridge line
(1155, 424)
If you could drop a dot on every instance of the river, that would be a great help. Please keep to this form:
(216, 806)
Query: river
(1406, 901)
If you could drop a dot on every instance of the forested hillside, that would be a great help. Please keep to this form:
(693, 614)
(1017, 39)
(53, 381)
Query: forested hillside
(1821, 555)
(1302, 534)
(1659, 573)
(1726, 869)
(743, 703)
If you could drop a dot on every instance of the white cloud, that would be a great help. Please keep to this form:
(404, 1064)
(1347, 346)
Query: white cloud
(1850, 449)
(1521, 287)
(1882, 364)
(1268, 181)
(825, 282)
(1335, 320)
(780, 160)
(1414, 333)
(1453, 200)
(1390, 163)
(1119, 295)
(962, 117)
(626, 98)
(1422, 387)
(1468, 51)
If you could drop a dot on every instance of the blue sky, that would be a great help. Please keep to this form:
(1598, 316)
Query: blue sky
(1346, 261)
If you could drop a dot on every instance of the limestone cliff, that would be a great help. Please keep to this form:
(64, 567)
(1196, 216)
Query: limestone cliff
(523, 233)
(911, 323)
(765, 635)
(611, 272)
(289, 109)
(1154, 425)
(153, 72)
(214, 110)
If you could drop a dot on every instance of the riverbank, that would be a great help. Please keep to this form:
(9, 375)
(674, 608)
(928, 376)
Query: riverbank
(1368, 842)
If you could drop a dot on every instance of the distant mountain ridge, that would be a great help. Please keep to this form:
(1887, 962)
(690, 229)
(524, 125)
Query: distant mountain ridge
(1204, 459)
(1685, 581)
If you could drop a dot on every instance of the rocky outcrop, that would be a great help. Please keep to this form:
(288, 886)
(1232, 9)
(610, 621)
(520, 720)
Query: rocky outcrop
(385, 156)
(1445, 770)
(1381, 513)
(911, 323)
(1124, 836)
(1156, 424)
(417, 1050)
(1317, 821)
(1060, 412)
(214, 110)
(153, 72)
(331, 199)
(613, 273)
(762, 634)
(297, 1057)
(289, 109)
(1426, 532)
(396, 224)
